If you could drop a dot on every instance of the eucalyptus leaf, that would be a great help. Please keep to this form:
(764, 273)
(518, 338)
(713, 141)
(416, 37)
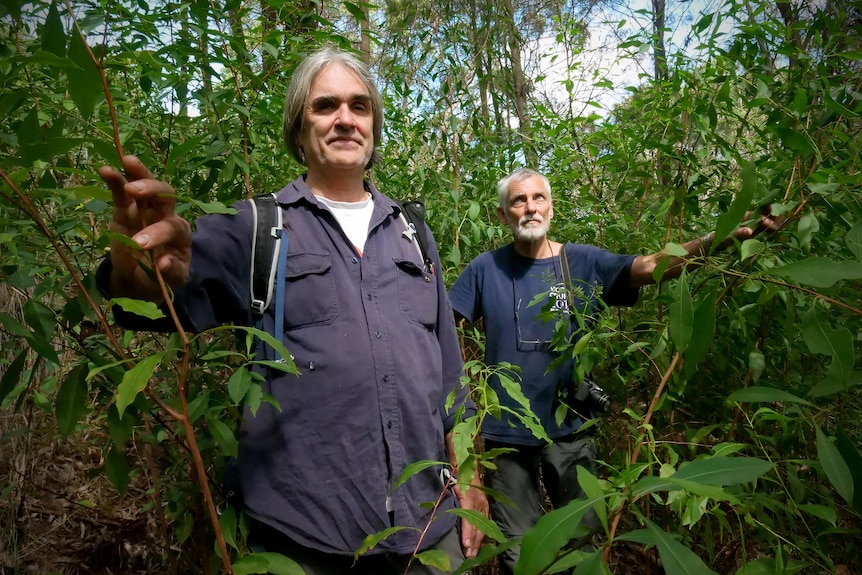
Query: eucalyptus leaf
(135, 380)
(540, 545)
(71, 399)
(819, 272)
(834, 466)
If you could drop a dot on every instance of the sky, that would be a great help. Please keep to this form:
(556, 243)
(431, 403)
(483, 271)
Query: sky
(603, 55)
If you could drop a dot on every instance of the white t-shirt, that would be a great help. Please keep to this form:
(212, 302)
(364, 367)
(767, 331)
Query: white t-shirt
(353, 218)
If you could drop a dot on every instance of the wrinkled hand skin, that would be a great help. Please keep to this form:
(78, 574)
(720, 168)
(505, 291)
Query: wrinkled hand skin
(144, 211)
(471, 536)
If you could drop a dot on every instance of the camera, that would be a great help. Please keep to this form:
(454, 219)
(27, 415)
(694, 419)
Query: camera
(593, 396)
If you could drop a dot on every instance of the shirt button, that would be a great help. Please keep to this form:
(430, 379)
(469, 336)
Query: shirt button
(377, 334)
(368, 297)
(386, 378)
(354, 260)
(427, 280)
(389, 424)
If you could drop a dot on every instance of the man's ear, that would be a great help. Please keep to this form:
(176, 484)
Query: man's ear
(551, 212)
(502, 215)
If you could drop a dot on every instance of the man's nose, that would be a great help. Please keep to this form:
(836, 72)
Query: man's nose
(344, 116)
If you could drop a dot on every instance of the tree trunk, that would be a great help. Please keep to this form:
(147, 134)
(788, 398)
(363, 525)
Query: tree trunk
(659, 53)
(519, 85)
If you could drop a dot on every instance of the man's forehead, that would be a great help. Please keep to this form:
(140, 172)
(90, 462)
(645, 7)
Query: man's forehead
(530, 185)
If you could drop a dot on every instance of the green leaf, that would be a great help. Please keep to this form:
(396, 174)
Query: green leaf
(435, 558)
(729, 221)
(756, 364)
(40, 317)
(718, 470)
(850, 454)
(771, 567)
(117, 469)
(655, 484)
(593, 564)
(819, 272)
(12, 325)
(85, 85)
(828, 514)
(676, 558)
(228, 523)
(43, 347)
(761, 394)
(53, 36)
(682, 315)
(454, 255)
(139, 307)
(415, 468)
(834, 467)
(223, 435)
(590, 484)
(853, 239)
(797, 141)
(751, 247)
(372, 540)
(486, 553)
(286, 364)
(119, 428)
(703, 332)
(239, 384)
(13, 374)
(513, 388)
(71, 399)
(214, 207)
(820, 337)
(552, 532)
(485, 525)
(135, 380)
(272, 563)
(360, 16)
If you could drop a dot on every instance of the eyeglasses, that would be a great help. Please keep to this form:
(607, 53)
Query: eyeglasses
(537, 344)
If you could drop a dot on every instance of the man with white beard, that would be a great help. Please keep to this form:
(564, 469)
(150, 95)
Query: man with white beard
(499, 286)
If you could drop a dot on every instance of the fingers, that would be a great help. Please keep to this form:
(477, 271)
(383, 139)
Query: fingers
(144, 211)
(471, 539)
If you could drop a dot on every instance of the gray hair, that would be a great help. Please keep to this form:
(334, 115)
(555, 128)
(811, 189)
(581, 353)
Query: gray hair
(300, 87)
(518, 176)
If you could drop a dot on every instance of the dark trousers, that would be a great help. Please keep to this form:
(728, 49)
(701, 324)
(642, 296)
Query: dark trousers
(315, 562)
(517, 479)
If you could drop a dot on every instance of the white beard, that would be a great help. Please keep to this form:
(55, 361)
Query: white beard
(532, 233)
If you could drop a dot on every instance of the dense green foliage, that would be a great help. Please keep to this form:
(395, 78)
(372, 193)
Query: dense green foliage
(735, 448)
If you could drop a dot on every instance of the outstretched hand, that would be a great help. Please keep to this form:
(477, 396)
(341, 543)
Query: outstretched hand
(765, 223)
(144, 211)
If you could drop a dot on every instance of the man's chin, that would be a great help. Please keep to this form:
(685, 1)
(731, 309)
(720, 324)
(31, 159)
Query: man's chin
(530, 234)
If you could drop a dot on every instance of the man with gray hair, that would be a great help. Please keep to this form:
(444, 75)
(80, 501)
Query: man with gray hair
(368, 323)
(499, 287)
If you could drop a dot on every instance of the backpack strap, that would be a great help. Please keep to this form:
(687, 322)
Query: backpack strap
(413, 214)
(268, 262)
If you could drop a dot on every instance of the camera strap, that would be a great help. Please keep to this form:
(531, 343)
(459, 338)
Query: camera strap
(567, 278)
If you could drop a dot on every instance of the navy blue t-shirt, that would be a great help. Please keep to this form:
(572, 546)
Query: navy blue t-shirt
(499, 286)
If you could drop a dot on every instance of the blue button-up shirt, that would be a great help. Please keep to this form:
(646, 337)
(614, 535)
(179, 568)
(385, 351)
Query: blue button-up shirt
(374, 338)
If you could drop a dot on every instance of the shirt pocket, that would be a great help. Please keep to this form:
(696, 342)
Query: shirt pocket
(310, 297)
(417, 293)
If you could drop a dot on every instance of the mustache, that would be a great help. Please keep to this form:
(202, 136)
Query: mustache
(530, 218)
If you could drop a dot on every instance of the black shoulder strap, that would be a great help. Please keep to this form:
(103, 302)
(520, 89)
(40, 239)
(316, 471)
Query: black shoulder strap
(567, 278)
(265, 247)
(414, 212)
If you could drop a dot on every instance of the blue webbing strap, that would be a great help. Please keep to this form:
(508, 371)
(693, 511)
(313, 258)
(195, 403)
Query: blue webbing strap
(280, 274)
